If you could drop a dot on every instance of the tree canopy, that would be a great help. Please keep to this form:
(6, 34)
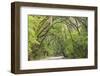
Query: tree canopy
(57, 36)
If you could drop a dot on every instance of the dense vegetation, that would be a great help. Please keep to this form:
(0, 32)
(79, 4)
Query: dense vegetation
(52, 36)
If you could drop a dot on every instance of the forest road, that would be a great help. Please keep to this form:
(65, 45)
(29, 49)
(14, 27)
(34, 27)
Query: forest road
(55, 58)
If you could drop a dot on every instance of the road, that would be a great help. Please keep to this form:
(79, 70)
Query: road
(55, 58)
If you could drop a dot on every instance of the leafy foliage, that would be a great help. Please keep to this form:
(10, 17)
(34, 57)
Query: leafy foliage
(57, 36)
